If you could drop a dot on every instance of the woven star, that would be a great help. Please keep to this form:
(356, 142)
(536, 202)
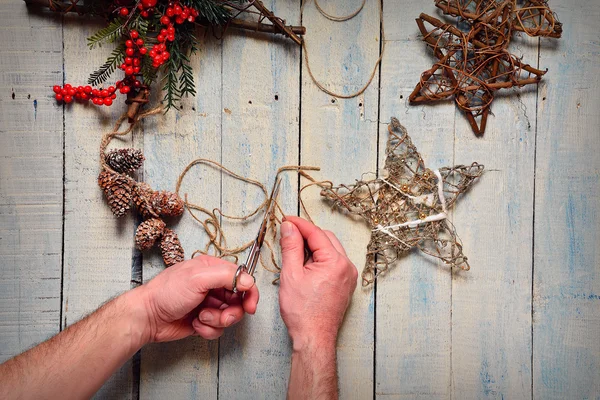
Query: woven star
(407, 207)
(472, 66)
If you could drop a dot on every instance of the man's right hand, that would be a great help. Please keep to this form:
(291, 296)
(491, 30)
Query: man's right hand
(313, 296)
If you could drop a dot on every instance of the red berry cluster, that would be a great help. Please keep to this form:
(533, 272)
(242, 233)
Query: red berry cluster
(134, 50)
(146, 7)
(175, 14)
(99, 97)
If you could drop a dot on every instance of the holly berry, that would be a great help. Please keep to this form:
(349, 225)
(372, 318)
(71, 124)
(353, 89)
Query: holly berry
(139, 42)
(129, 43)
(134, 34)
(149, 3)
(56, 89)
(108, 101)
(68, 99)
(58, 97)
(124, 12)
(143, 51)
(129, 51)
(165, 20)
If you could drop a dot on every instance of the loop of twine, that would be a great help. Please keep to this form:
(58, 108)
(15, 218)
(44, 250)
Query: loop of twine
(340, 19)
(212, 224)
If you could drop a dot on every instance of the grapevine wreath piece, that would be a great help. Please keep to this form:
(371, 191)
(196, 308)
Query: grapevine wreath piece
(156, 36)
(473, 64)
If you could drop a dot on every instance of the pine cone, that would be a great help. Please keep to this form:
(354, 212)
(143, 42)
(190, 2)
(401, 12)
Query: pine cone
(117, 190)
(147, 233)
(167, 204)
(142, 198)
(124, 160)
(172, 252)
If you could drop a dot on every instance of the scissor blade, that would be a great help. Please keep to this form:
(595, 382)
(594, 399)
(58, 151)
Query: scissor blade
(254, 254)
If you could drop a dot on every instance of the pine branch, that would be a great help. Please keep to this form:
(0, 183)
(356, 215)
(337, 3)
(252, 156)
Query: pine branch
(105, 71)
(172, 93)
(148, 71)
(186, 79)
(213, 12)
(112, 32)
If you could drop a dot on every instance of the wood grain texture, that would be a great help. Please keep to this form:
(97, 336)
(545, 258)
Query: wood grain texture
(260, 134)
(413, 299)
(31, 179)
(340, 136)
(491, 303)
(98, 247)
(185, 369)
(566, 318)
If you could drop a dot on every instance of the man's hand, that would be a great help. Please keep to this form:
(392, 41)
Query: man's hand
(313, 298)
(195, 297)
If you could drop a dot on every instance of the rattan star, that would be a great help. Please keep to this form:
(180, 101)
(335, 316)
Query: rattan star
(408, 207)
(472, 66)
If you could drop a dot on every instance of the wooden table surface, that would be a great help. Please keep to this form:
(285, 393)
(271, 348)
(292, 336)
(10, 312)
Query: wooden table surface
(523, 323)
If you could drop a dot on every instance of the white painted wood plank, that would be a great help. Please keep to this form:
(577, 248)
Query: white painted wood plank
(340, 136)
(98, 247)
(491, 303)
(413, 299)
(30, 180)
(260, 134)
(566, 316)
(186, 369)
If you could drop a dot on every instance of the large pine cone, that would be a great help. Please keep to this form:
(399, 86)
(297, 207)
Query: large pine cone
(172, 252)
(167, 204)
(142, 198)
(117, 190)
(148, 232)
(124, 160)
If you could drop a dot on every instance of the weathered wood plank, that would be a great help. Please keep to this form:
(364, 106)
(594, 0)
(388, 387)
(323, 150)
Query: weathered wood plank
(260, 134)
(98, 247)
(31, 157)
(413, 299)
(340, 136)
(185, 369)
(566, 340)
(491, 303)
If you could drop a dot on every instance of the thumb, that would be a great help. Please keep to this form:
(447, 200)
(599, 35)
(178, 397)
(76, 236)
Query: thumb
(292, 247)
(221, 276)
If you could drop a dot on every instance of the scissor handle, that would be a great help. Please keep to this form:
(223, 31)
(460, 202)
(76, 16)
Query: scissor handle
(239, 270)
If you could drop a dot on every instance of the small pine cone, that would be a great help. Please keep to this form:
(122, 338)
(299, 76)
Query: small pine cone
(117, 190)
(142, 198)
(167, 204)
(124, 160)
(147, 233)
(172, 252)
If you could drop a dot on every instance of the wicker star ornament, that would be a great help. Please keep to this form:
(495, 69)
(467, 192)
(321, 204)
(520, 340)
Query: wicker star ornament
(408, 206)
(473, 64)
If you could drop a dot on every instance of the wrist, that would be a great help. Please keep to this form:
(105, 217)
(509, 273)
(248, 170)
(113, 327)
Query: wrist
(138, 317)
(314, 342)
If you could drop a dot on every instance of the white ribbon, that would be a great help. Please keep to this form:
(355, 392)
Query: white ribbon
(432, 218)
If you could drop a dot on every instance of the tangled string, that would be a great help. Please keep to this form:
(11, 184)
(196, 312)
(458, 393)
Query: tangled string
(407, 207)
(473, 65)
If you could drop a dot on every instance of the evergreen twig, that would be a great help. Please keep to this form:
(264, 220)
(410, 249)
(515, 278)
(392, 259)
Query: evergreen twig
(102, 74)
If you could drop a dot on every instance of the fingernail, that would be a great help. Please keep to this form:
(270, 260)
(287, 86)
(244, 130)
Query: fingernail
(246, 281)
(206, 316)
(229, 320)
(286, 229)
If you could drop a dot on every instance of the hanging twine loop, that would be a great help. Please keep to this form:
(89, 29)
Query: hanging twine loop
(316, 81)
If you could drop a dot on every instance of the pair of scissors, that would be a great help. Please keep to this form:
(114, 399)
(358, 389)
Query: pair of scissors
(250, 265)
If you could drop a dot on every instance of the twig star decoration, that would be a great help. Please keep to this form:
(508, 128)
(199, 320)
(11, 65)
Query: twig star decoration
(407, 207)
(472, 66)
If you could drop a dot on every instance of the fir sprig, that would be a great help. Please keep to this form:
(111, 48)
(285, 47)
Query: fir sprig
(111, 33)
(102, 74)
